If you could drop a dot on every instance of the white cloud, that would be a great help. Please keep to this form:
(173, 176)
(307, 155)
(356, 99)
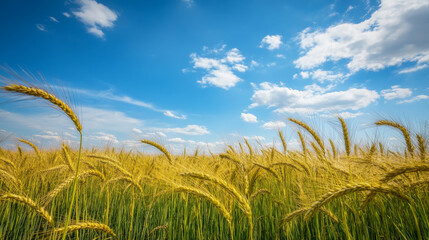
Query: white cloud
(257, 138)
(280, 56)
(395, 33)
(233, 56)
(349, 9)
(103, 138)
(414, 99)
(66, 14)
(413, 69)
(316, 88)
(271, 42)
(248, 117)
(220, 71)
(180, 140)
(274, 125)
(396, 92)
(322, 76)
(41, 27)
(188, 130)
(96, 31)
(290, 100)
(240, 67)
(253, 63)
(345, 115)
(95, 16)
(136, 130)
(304, 74)
(53, 19)
(171, 114)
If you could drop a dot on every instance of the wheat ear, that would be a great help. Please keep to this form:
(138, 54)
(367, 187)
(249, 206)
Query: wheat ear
(345, 135)
(159, 147)
(404, 131)
(103, 158)
(334, 150)
(282, 138)
(126, 179)
(311, 131)
(304, 148)
(249, 147)
(36, 92)
(50, 195)
(9, 178)
(36, 150)
(422, 147)
(226, 186)
(7, 162)
(29, 202)
(67, 158)
(86, 226)
(335, 193)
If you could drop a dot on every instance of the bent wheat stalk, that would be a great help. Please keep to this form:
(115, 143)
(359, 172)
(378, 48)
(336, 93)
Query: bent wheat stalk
(40, 93)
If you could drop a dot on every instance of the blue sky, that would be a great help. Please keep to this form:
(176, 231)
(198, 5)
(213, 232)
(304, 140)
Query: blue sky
(205, 73)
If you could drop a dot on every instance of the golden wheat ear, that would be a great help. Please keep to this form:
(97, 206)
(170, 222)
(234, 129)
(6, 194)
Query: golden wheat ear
(159, 147)
(37, 92)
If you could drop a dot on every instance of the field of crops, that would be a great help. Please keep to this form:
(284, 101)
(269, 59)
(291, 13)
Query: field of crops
(323, 191)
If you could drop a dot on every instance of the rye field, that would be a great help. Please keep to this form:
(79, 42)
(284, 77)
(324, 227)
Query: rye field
(321, 191)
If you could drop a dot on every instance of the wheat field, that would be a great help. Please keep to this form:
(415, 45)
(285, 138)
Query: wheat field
(322, 191)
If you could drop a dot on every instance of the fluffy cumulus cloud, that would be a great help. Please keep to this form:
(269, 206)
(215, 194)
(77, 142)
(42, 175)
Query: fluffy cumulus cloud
(396, 92)
(289, 100)
(271, 42)
(95, 16)
(274, 125)
(220, 71)
(248, 117)
(395, 33)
